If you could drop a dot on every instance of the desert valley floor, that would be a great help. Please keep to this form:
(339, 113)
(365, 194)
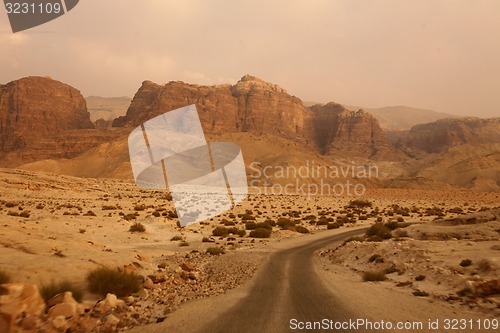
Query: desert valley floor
(56, 228)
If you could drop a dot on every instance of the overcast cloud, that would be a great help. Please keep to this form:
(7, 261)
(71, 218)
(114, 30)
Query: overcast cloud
(439, 55)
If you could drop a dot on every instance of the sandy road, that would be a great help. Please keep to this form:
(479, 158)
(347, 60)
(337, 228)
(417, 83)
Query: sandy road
(292, 285)
(286, 287)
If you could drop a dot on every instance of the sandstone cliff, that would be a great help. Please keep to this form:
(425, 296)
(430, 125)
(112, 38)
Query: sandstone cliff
(43, 118)
(441, 135)
(258, 107)
(352, 133)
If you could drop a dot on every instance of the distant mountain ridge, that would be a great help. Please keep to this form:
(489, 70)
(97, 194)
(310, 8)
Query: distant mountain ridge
(45, 125)
(400, 118)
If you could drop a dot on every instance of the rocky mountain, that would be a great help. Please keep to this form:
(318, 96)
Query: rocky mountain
(42, 118)
(441, 135)
(340, 131)
(400, 118)
(258, 107)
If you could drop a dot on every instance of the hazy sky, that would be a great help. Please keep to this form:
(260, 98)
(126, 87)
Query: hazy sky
(439, 55)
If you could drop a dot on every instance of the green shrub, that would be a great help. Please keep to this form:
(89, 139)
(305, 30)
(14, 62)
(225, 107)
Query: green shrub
(105, 280)
(220, 231)
(4, 277)
(466, 263)
(215, 251)
(137, 227)
(260, 233)
(50, 290)
(374, 276)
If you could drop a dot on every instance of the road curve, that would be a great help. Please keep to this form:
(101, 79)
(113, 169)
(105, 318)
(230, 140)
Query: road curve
(286, 287)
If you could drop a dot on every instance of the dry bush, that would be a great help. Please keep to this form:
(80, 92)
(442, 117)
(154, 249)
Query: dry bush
(374, 276)
(215, 251)
(137, 227)
(260, 233)
(50, 290)
(104, 280)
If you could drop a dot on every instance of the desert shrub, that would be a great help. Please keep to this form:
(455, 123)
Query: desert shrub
(50, 290)
(176, 238)
(11, 213)
(391, 269)
(285, 223)
(220, 231)
(241, 232)
(40, 206)
(228, 223)
(334, 225)
(215, 251)
(401, 219)
(363, 218)
(183, 243)
(247, 217)
(140, 207)
(260, 233)
(4, 277)
(376, 257)
(301, 229)
(106, 207)
(24, 214)
(374, 276)
(250, 225)
(233, 230)
(466, 263)
(322, 221)
(272, 223)
(129, 217)
(205, 239)
(10, 204)
(393, 225)
(420, 293)
(379, 230)
(464, 292)
(359, 204)
(137, 227)
(380, 219)
(420, 278)
(156, 213)
(264, 226)
(105, 280)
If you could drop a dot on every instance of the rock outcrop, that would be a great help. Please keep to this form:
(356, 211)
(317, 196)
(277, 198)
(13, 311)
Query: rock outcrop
(258, 107)
(42, 118)
(352, 133)
(441, 135)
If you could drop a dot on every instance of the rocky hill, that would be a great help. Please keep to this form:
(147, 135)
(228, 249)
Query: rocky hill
(42, 118)
(441, 135)
(258, 107)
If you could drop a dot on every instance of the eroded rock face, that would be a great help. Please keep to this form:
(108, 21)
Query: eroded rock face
(255, 106)
(42, 118)
(352, 133)
(439, 136)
